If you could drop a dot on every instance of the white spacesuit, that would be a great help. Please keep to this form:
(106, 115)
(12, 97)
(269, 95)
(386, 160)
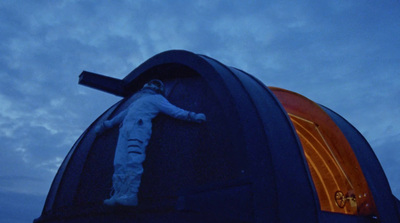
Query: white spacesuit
(134, 134)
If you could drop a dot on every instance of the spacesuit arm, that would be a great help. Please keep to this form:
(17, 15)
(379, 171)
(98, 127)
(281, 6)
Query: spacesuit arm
(167, 108)
(110, 123)
(116, 120)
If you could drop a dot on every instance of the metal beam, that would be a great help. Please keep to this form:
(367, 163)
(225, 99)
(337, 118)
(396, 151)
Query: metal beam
(102, 83)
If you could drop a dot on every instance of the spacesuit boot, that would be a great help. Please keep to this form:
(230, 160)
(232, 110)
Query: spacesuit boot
(128, 200)
(118, 182)
(129, 191)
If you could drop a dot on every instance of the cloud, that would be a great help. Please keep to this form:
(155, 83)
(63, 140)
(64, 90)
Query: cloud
(387, 150)
(18, 207)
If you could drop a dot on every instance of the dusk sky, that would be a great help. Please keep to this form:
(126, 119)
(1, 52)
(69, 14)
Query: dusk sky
(342, 54)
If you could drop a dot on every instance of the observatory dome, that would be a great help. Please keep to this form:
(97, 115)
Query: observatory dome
(265, 154)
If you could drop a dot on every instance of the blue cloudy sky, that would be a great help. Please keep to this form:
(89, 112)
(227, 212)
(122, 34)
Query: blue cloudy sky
(342, 54)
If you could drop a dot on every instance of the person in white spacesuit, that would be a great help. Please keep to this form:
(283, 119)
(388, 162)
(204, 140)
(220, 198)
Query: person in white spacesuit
(134, 134)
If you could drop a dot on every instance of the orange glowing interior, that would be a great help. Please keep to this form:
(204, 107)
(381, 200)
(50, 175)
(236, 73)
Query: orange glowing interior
(335, 171)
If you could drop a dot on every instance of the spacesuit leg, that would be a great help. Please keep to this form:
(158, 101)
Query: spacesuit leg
(130, 187)
(118, 181)
(119, 176)
(137, 135)
(134, 171)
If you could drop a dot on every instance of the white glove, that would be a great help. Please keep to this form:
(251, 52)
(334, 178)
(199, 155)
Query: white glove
(199, 118)
(98, 129)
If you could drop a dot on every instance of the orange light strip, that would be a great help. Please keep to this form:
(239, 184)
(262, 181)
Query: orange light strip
(334, 157)
(332, 163)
